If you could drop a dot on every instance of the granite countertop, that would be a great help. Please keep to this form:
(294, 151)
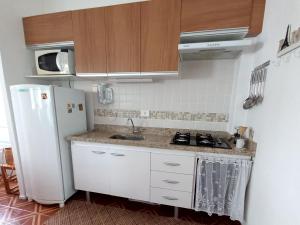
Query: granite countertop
(156, 139)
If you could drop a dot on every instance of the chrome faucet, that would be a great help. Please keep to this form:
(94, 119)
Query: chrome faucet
(134, 129)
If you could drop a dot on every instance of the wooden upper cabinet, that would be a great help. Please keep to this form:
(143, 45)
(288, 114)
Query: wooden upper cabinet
(90, 40)
(160, 33)
(257, 17)
(123, 38)
(49, 28)
(200, 15)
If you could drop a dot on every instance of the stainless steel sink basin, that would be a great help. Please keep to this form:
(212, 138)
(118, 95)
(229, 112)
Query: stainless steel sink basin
(128, 137)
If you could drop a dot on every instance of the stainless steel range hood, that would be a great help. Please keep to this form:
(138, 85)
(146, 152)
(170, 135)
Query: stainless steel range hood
(213, 44)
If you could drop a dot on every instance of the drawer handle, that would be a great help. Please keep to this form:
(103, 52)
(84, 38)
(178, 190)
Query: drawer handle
(117, 154)
(170, 198)
(99, 152)
(172, 164)
(171, 181)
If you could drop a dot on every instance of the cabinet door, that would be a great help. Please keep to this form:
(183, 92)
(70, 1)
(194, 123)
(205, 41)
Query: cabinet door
(130, 174)
(90, 44)
(160, 32)
(257, 17)
(49, 28)
(91, 168)
(200, 15)
(123, 37)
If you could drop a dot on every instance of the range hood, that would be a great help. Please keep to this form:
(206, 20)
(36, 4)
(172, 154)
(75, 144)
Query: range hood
(213, 44)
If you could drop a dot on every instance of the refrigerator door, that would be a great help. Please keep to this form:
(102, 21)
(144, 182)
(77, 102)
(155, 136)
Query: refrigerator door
(71, 119)
(36, 127)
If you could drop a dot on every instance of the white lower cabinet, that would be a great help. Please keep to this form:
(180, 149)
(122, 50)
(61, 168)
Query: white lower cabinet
(127, 172)
(111, 170)
(130, 174)
(91, 168)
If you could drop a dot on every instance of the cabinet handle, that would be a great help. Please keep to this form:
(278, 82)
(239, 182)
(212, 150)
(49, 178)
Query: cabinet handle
(170, 198)
(171, 181)
(172, 164)
(117, 154)
(99, 152)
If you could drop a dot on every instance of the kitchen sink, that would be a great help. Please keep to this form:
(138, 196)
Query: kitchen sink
(128, 137)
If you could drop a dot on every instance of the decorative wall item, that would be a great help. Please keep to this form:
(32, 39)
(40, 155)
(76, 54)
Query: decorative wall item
(290, 43)
(287, 41)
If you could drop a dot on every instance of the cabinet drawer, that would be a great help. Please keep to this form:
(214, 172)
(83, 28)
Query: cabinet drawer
(173, 198)
(172, 163)
(173, 181)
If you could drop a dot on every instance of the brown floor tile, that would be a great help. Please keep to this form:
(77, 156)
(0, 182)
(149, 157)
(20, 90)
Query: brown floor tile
(3, 213)
(6, 200)
(25, 205)
(15, 213)
(3, 194)
(101, 215)
(41, 218)
(47, 209)
(27, 220)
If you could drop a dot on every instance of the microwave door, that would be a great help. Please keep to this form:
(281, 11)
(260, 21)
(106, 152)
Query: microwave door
(62, 62)
(47, 62)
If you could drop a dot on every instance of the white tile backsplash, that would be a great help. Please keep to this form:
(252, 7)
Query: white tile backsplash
(204, 87)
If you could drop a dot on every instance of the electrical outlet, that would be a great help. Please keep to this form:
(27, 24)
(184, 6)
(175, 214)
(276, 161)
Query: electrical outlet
(145, 113)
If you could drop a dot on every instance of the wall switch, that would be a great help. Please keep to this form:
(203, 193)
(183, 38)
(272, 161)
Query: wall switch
(145, 113)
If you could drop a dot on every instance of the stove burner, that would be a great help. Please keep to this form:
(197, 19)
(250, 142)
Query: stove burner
(201, 139)
(205, 140)
(182, 138)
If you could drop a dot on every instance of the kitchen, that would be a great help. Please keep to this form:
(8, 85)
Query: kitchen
(206, 94)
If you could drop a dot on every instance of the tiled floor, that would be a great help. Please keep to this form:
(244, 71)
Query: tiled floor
(108, 210)
(14, 211)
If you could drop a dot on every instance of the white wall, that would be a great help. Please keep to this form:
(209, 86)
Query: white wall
(238, 116)
(204, 86)
(274, 194)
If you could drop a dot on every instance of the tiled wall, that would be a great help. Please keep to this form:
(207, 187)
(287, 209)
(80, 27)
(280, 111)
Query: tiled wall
(162, 115)
(199, 100)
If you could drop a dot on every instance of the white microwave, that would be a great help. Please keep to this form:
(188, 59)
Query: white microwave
(54, 62)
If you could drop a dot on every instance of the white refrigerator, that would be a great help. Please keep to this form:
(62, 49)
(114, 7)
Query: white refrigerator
(45, 115)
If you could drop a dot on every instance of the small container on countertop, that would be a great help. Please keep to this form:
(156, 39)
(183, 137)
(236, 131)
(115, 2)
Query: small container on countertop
(240, 143)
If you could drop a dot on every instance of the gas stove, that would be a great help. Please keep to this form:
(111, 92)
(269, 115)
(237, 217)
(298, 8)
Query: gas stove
(200, 139)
